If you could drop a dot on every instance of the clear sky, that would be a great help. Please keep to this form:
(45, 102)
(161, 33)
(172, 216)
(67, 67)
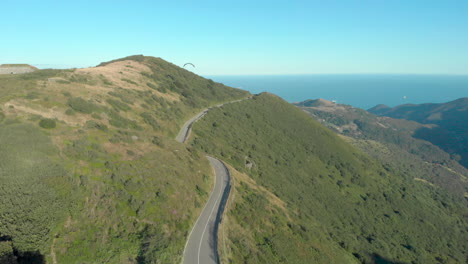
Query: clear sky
(243, 37)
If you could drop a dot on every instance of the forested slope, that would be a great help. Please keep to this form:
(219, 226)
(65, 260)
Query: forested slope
(393, 142)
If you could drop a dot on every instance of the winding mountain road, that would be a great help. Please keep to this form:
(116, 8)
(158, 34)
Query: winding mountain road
(202, 243)
(185, 130)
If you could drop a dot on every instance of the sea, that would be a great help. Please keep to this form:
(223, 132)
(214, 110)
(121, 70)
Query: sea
(358, 90)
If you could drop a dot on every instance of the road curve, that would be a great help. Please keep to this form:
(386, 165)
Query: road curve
(185, 129)
(202, 243)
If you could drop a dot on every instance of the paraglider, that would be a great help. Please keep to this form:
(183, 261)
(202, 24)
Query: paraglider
(188, 63)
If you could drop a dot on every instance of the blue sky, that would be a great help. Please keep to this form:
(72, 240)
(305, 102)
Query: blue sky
(240, 37)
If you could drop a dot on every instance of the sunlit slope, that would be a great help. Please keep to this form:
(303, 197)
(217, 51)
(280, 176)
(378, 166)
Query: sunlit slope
(339, 204)
(90, 169)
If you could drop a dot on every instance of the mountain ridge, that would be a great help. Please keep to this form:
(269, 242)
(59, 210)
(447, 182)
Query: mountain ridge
(374, 134)
(450, 120)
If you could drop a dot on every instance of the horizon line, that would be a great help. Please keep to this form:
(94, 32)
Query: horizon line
(43, 66)
(357, 73)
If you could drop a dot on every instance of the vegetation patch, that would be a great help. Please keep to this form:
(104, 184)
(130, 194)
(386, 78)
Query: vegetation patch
(47, 123)
(150, 120)
(129, 81)
(118, 105)
(121, 122)
(33, 189)
(80, 105)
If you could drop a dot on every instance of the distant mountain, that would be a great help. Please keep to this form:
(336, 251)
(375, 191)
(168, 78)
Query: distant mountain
(379, 109)
(316, 103)
(392, 141)
(450, 124)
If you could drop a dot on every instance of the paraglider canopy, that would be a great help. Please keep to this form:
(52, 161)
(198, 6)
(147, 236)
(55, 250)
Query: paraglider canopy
(188, 63)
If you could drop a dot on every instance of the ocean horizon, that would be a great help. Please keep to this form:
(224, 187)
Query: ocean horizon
(359, 90)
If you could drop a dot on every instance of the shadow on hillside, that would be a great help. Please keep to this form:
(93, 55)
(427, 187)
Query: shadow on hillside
(451, 141)
(377, 259)
(10, 255)
(30, 258)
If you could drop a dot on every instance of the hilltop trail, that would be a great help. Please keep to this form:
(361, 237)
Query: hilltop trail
(202, 242)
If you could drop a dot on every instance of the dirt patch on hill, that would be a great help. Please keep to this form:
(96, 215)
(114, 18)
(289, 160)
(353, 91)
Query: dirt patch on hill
(17, 107)
(127, 74)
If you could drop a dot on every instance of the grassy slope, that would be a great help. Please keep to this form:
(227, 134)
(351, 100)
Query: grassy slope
(106, 181)
(335, 196)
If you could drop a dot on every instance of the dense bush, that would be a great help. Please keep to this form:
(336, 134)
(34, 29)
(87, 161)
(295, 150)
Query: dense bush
(34, 190)
(47, 123)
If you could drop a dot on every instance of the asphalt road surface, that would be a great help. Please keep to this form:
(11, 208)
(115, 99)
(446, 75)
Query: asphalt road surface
(185, 130)
(201, 247)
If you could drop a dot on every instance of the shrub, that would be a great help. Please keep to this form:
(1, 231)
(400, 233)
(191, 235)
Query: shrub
(118, 105)
(157, 141)
(47, 123)
(70, 111)
(152, 86)
(150, 120)
(97, 125)
(80, 105)
(129, 81)
(119, 121)
(96, 116)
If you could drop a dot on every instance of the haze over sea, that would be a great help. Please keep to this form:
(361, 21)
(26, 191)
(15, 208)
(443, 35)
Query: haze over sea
(358, 90)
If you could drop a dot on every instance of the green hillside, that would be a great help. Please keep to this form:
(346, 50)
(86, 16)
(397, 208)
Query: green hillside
(340, 206)
(393, 142)
(90, 172)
